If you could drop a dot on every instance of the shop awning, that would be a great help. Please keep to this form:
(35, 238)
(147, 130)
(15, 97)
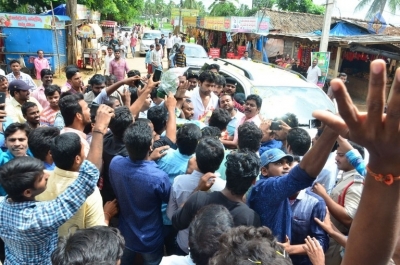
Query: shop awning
(108, 23)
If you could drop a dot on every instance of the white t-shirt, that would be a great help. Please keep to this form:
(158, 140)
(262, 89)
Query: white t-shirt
(313, 74)
(177, 40)
(126, 41)
(169, 42)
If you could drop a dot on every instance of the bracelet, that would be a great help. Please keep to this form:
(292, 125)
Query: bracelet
(387, 179)
(109, 215)
(96, 131)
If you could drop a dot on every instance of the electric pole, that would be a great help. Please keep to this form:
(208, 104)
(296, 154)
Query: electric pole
(323, 45)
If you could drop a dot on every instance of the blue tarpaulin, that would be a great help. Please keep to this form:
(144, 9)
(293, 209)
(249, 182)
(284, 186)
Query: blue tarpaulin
(60, 10)
(342, 29)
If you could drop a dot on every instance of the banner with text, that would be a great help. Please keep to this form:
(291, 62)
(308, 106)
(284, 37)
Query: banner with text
(323, 64)
(28, 21)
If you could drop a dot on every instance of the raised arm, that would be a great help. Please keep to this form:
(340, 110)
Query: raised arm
(376, 226)
(143, 93)
(315, 159)
(103, 117)
(170, 104)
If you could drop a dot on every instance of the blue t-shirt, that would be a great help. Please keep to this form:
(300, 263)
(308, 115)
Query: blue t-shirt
(269, 198)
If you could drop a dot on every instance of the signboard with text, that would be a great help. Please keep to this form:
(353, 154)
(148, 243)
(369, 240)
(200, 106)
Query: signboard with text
(214, 53)
(28, 21)
(217, 23)
(185, 12)
(323, 59)
(190, 21)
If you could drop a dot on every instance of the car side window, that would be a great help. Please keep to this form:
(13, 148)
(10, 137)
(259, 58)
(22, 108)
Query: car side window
(239, 86)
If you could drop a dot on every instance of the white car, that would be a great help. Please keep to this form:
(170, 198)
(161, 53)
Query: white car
(124, 30)
(281, 90)
(147, 39)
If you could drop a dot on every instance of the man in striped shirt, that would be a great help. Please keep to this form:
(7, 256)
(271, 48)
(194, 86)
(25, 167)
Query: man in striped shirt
(180, 57)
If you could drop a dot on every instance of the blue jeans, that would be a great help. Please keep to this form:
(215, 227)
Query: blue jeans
(133, 51)
(154, 258)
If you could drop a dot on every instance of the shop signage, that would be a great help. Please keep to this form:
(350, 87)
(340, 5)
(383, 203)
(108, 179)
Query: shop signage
(263, 25)
(214, 53)
(190, 21)
(323, 64)
(185, 12)
(94, 15)
(217, 23)
(28, 21)
(250, 25)
(82, 12)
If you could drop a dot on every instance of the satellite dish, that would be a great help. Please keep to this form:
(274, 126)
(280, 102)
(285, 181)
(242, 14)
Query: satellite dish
(377, 24)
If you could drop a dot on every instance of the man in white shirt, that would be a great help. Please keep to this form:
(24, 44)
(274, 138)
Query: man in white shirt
(204, 100)
(109, 57)
(246, 56)
(313, 72)
(155, 58)
(169, 42)
(177, 39)
(2, 72)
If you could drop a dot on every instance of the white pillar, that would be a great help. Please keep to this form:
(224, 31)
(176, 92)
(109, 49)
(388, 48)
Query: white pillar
(323, 46)
(338, 55)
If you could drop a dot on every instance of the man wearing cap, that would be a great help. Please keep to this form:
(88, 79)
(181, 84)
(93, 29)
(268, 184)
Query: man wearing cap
(20, 93)
(270, 195)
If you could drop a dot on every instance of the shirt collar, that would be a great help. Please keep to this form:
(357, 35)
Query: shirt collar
(65, 173)
(301, 195)
(80, 133)
(197, 174)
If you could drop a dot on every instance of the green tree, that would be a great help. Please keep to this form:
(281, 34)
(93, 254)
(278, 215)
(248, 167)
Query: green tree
(190, 4)
(377, 6)
(221, 8)
(303, 6)
(202, 9)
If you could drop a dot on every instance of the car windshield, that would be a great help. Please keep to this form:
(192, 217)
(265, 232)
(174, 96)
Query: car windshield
(151, 35)
(126, 29)
(301, 101)
(195, 51)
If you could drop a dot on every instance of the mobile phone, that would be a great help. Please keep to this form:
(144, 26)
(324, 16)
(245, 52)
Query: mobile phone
(314, 123)
(2, 99)
(275, 126)
(93, 110)
(157, 75)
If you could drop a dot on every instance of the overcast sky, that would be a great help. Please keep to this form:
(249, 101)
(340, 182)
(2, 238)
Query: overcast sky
(344, 8)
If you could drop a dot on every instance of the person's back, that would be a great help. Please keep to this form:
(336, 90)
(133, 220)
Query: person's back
(67, 155)
(140, 188)
(242, 170)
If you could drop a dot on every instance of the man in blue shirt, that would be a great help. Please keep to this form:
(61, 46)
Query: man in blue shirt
(147, 60)
(269, 197)
(140, 187)
(175, 163)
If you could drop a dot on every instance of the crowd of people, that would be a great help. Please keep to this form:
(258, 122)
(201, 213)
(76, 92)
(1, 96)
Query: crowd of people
(116, 173)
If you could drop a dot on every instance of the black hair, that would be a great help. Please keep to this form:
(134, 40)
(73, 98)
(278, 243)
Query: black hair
(134, 94)
(113, 78)
(122, 119)
(64, 150)
(291, 120)
(205, 230)
(45, 72)
(249, 136)
(209, 154)
(187, 138)
(109, 48)
(69, 107)
(16, 126)
(220, 80)
(20, 174)
(98, 245)
(211, 131)
(40, 141)
(256, 99)
(242, 169)
(158, 116)
(97, 79)
(27, 105)
(2, 78)
(14, 61)
(220, 119)
(51, 90)
(239, 98)
(138, 139)
(243, 243)
(299, 141)
(110, 101)
(342, 74)
(213, 66)
(132, 73)
(359, 148)
(207, 76)
(69, 67)
(71, 72)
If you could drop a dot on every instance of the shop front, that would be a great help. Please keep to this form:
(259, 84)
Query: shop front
(22, 35)
(109, 28)
(227, 37)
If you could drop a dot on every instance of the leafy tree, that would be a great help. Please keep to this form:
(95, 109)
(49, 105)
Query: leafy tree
(202, 9)
(190, 4)
(303, 6)
(377, 6)
(221, 8)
